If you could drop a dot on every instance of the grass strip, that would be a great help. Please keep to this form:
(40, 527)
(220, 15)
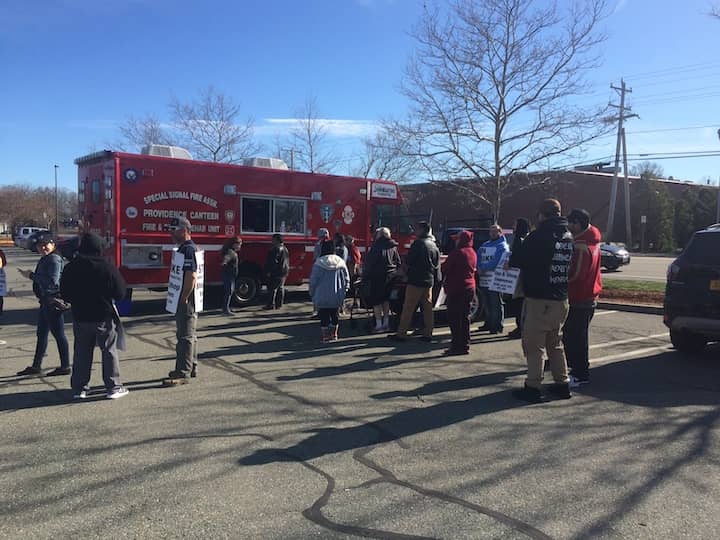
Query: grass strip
(633, 285)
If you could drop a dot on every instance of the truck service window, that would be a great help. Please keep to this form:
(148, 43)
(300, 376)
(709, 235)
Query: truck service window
(289, 216)
(273, 215)
(256, 215)
(384, 216)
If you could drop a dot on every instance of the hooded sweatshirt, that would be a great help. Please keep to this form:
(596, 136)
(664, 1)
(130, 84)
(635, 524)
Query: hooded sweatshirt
(329, 281)
(544, 260)
(382, 261)
(423, 261)
(584, 281)
(490, 253)
(459, 270)
(90, 283)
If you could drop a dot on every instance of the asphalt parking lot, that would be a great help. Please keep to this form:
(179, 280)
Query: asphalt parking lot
(282, 438)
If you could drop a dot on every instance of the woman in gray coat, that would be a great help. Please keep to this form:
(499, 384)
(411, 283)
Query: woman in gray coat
(329, 281)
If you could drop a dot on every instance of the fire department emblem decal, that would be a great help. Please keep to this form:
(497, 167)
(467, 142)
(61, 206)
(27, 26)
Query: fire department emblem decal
(326, 211)
(131, 175)
(229, 216)
(131, 212)
(348, 215)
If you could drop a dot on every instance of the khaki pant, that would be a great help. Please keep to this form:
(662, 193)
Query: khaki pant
(413, 296)
(542, 323)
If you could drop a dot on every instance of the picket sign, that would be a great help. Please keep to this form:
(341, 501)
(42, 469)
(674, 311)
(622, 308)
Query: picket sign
(3, 283)
(504, 281)
(175, 282)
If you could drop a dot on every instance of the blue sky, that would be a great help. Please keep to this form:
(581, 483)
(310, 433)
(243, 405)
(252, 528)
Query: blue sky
(74, 69)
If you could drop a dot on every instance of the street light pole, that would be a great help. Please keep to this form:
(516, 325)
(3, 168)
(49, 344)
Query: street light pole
(57, 225)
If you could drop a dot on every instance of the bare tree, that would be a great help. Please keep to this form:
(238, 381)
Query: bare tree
(138, 132)
(491, 87)
(211, 127)
(715, 11)
(647, 169)
(26, 205)
(386, 157)
(309, 140)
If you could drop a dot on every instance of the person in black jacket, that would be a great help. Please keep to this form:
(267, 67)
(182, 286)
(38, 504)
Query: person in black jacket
(379, 269)
(544, 262)
(91, 284)
(46, 286)
(522, 229)
(229, 260)
(277, 268)
(423, 264)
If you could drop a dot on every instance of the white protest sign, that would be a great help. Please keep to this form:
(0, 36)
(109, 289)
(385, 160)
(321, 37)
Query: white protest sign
(504, 281)
(485, 277)
(3, 283)
(200, 281)
(175, 283)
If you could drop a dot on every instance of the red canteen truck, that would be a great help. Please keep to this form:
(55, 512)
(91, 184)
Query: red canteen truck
(128, 199)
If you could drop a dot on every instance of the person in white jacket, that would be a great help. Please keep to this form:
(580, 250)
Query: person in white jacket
(329, 282)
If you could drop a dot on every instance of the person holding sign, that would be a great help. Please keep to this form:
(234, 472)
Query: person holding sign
(489, 256)
(185, 314)
(544, 262)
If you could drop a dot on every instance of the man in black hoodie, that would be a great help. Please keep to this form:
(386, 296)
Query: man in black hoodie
(277, 268)
(544, 262)
(423, 264)
(90, 284)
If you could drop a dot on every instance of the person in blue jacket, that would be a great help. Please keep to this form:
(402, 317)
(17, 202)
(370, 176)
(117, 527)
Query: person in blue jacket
(489, 256)
(329, 282)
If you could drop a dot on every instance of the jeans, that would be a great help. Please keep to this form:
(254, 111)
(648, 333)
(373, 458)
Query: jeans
(458, 315)
(328, 316)
(228, 290)
(576, 333)
(186, 348)
(494, 309)
(87, 335)
(51, 321)
(276, 288)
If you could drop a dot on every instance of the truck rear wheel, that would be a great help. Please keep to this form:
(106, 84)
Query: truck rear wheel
(687, 342)
(246, 289)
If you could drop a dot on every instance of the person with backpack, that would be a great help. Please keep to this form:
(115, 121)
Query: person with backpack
(91, 285)
(329, 283)
(277, 268)
(51, 318)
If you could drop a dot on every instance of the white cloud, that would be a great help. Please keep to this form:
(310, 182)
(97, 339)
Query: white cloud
(334, 127)
(621, 4)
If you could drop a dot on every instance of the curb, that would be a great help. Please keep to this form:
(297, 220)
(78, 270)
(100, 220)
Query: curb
(632, 308)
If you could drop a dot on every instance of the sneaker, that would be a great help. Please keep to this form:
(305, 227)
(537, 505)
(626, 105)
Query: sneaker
(529, 394)
(117, 393)
(576, 382)
(59, 371)
(82, 394)
(560, 390)
(30, 370)
(174, 374)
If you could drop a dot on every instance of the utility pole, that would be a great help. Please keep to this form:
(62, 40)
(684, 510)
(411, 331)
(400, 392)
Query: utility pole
(292, 157)
(613, 190)
(628, 226)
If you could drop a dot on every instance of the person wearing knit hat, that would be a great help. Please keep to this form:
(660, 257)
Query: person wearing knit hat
(91, 284)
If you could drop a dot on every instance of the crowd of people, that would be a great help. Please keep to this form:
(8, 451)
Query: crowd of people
(554, 302)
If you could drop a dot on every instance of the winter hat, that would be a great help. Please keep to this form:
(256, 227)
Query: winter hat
(91, 244)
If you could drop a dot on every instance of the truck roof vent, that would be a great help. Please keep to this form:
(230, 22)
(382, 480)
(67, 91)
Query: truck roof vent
(165, 150)
(267, 163)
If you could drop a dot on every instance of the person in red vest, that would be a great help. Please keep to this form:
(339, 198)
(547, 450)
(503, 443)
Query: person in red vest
(584, 286)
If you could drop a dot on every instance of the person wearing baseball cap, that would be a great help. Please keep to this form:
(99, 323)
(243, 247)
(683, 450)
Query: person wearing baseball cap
(185, 316)
(46, 286)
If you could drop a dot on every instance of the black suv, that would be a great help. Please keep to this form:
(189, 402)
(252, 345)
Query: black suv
(692, 294)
